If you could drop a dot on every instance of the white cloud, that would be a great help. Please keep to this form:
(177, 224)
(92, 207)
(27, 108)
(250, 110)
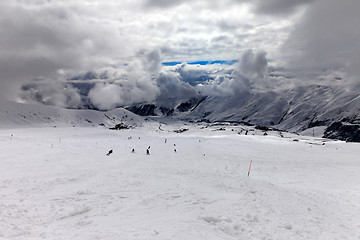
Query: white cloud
(106, 96)
(250, 73)
(127, 41)
(172, 86)
(52, 92)
(135, 84)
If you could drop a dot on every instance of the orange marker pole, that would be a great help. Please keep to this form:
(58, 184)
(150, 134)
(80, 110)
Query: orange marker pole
(249, 168)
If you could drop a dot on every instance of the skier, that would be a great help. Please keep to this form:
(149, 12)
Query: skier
(110, 152)
(148, 151)
(133, 150)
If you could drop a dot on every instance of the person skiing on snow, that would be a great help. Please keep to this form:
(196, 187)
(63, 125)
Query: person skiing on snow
(110, 152)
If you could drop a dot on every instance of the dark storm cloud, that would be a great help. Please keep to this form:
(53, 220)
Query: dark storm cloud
(112, 50)
(276, 7)
(27, 45)
(57, 93)
(253, 65)
(171, 85)
(327, 39)
(153, 61)
(16, 70)
(40, 40)
(164, 3)
(272, 7)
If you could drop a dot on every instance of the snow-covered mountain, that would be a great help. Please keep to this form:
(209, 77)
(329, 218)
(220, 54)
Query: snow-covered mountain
(324, 111)
(14, 114)
(299, 110)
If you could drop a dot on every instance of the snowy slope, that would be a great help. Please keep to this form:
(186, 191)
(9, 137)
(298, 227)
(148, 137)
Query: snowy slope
(57, 183)
(14, 114)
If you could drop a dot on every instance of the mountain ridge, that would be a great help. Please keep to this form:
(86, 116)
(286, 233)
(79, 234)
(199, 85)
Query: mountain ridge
(13, 114)
(296, 110)
(326, 110)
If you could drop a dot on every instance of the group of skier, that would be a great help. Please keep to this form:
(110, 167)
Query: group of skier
(147, 150)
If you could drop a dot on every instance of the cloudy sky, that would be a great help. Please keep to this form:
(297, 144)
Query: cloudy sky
(110, 53)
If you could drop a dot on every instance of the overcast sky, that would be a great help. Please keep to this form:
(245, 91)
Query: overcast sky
(46, 43)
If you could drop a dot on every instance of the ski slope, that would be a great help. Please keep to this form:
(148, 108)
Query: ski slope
(58, 183)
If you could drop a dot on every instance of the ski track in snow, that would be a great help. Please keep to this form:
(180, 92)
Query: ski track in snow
(57, 183)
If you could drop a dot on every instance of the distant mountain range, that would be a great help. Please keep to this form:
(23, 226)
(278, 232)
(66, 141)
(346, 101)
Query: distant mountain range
(318, 110)
(328, 111)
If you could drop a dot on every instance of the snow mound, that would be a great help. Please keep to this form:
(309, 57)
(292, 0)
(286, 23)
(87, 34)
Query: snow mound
(14, 114)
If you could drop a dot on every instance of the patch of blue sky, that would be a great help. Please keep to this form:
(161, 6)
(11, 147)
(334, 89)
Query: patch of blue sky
(226, 62)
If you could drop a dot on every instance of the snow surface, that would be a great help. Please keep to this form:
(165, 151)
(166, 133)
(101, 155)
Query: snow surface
(58, 183)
